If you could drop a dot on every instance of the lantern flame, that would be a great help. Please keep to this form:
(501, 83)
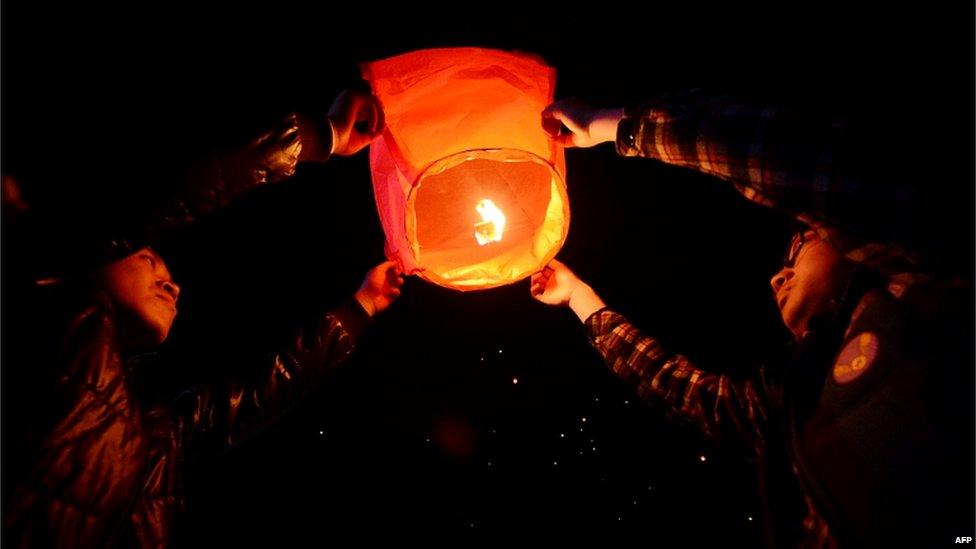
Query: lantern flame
(492, 222)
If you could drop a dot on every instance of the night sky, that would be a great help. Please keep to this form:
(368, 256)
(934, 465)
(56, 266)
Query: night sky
(480, 413)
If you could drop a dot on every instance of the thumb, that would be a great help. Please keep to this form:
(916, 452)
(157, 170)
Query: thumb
(566, 140)
(556, 112)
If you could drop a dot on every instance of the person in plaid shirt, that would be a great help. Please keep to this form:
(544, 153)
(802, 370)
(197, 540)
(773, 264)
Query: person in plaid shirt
(865, 437)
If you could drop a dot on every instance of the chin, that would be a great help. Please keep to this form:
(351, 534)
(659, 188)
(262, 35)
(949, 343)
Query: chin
(797, 331)
(156, 336)
(157, 329)
(793, 321)
(161, 337)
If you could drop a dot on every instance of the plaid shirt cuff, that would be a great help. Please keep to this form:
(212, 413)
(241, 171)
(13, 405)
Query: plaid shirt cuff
(600, 324)
(629, 134)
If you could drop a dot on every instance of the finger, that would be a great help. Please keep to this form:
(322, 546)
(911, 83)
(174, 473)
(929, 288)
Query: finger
(377, 119)
(356, 143)
(540, 285)
(362, 109)
(385, 266)
(558, 132)
(556, 106)
(554, 114)
(345, 107)
(567, 140)
(366, 113)
(551, 126)
(567, 120)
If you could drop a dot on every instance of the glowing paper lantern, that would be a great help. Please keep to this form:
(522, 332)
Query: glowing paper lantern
(470, 190)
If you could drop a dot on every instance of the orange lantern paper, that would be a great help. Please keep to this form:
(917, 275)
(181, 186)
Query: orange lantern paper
(470, 190)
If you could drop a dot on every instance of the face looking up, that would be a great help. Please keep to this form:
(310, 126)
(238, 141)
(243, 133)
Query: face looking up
(810, 283)
(144, 295)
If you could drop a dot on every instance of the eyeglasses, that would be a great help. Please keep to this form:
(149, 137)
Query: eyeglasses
(796, 244)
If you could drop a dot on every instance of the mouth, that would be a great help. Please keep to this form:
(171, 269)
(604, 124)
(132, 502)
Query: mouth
(168, 299)
(782, 296)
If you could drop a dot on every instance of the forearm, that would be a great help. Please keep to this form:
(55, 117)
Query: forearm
(605, 124)
(716, 404)
(584, 302)
(237, 410)
(214, 180)
(821, 169)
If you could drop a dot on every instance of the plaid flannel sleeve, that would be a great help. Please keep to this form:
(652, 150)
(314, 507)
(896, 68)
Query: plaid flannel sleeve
(843, 179)
(720, 407)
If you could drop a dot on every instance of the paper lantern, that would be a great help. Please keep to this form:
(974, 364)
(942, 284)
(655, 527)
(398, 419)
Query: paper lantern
(470, 190)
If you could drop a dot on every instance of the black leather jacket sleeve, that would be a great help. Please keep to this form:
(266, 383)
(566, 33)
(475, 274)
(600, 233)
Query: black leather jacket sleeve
(211, 182)
(226, 414)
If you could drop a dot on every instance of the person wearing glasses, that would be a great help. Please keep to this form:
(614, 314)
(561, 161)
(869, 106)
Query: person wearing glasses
(865, 438)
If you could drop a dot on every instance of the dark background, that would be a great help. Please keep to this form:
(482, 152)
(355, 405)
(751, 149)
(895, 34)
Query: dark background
(424, 434)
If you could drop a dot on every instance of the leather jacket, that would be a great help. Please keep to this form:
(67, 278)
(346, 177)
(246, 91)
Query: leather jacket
(106, 465)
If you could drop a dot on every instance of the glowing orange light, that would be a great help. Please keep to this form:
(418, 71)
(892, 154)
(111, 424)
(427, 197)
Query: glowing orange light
(492, 222)
(462, 127)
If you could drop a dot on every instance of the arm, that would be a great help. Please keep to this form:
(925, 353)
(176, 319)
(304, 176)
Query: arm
(716, 404)
(227, 414)
(826, 172)
(353, 121)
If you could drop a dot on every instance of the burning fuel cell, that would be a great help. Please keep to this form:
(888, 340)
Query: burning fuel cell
(492, 224)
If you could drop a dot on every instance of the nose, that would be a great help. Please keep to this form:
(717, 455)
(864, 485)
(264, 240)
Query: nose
(169, 287)
(780, 278)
